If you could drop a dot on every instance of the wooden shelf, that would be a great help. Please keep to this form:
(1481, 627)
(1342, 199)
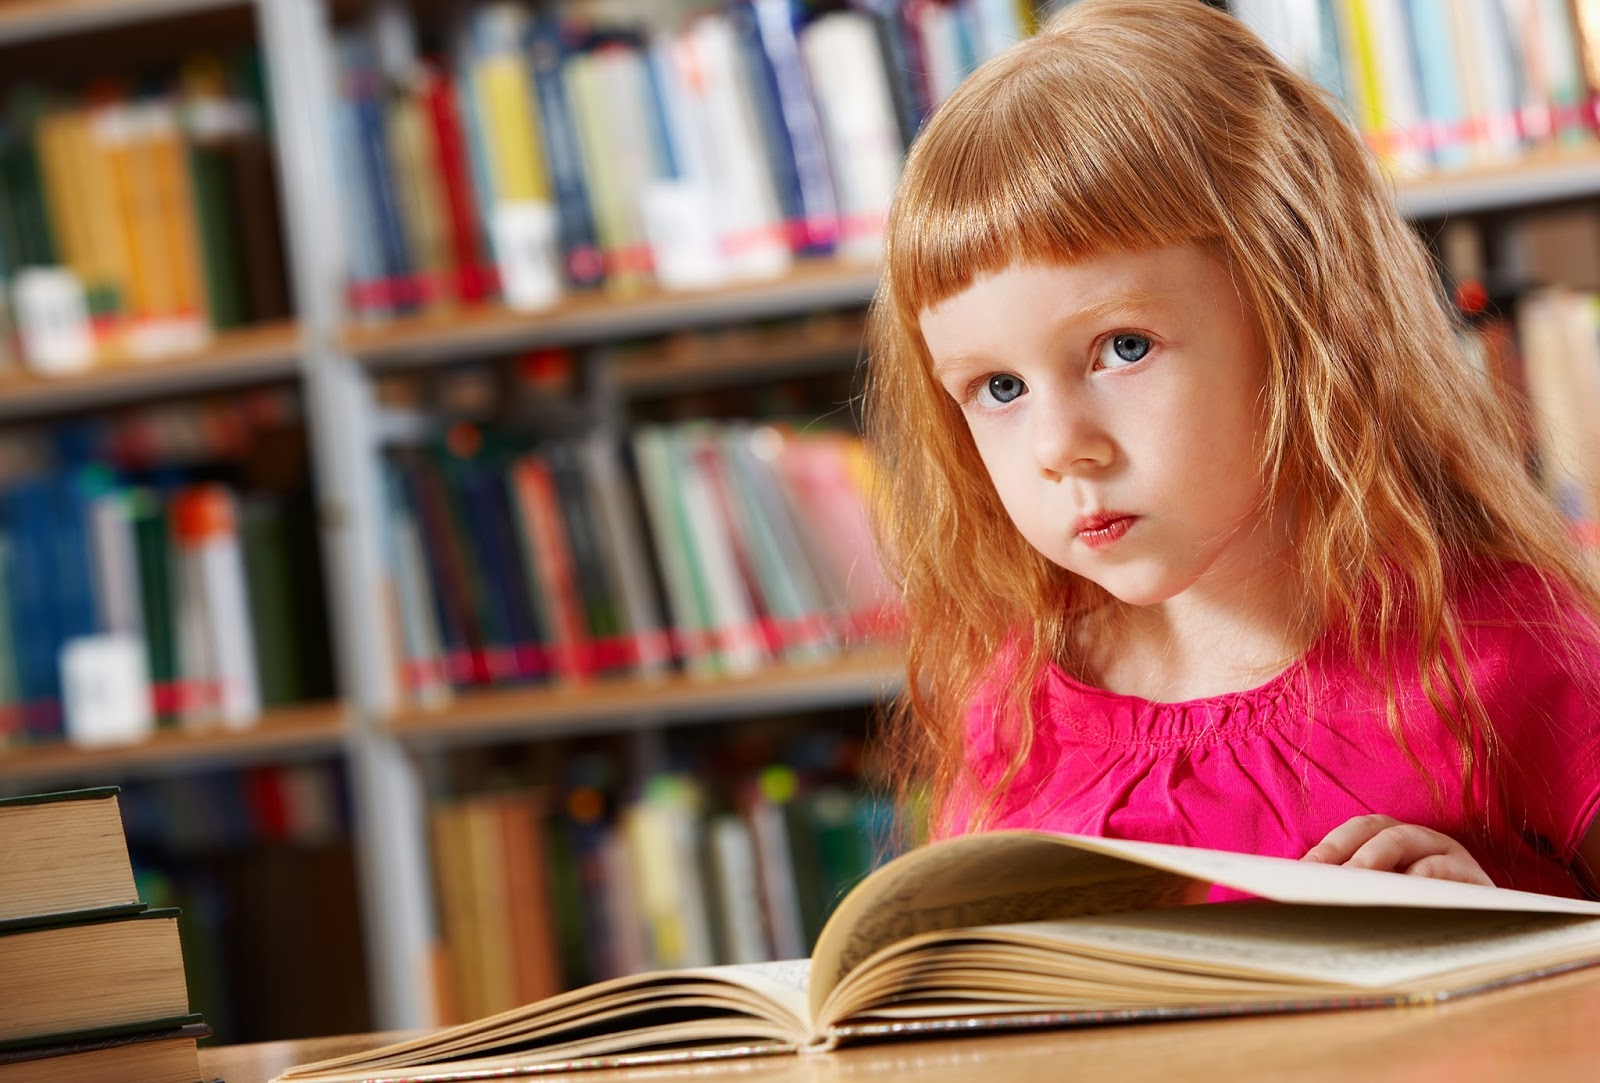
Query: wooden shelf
(587, 318)
(266, 352)
(734, 357)
(36, 20)
(513, 713)
(290, 731)
(1541, 178)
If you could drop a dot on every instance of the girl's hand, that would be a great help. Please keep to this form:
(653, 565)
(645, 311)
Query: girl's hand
(1386, 844)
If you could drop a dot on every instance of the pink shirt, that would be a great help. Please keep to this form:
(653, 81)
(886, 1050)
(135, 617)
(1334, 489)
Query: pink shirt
(1273, 769)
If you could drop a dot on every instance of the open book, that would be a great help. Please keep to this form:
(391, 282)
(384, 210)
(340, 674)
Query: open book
(1016, 929)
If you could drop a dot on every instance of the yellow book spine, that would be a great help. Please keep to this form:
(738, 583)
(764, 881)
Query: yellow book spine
(511, 129)
(108, 259)
(178, 215)
(114, 134)
(1363, 61)
(63, 205)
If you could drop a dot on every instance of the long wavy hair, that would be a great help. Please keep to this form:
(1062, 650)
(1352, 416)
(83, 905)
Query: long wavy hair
(1126, 124)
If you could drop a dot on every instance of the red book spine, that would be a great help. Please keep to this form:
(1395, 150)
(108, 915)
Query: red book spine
(451, 159)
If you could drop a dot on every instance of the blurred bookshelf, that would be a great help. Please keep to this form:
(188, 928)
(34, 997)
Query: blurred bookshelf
(622, 704)
(280, 734)
(1547, 177)
(254, 355)
(35, 20)
(592, 318)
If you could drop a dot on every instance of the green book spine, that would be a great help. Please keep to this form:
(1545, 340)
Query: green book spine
(152, 541)
(35, 245)
(219, 251)
(269, 582)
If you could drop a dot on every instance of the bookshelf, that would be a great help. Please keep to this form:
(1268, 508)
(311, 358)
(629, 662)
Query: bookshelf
(861, 677)
(254, 355)
(284, 733)
(581, 320)
(36, 20)
(391, 749)
(1547, 177)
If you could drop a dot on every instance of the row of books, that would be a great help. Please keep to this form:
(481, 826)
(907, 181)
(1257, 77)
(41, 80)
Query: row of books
(728, 547)
(1445, 84)
(1545, 353)
(127, 607)
(532, 153)
(134, 223)
(537, 895)
(106, 523)
(92, 978)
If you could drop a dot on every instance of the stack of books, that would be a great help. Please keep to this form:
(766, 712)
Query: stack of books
(91, 978)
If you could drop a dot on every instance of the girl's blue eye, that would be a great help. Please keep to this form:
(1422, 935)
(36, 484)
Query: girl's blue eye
(1124, 349)
(1001, 388)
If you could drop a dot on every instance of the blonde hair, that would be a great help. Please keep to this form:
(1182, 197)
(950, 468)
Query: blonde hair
(1129, 124)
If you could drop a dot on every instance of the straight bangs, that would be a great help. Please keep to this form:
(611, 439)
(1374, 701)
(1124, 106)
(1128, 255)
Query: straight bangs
(1052, 153)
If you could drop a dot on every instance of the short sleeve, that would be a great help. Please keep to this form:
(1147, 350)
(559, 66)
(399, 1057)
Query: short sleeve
(1541, 685)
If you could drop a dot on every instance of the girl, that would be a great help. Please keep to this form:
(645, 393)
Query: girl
(1209, 531)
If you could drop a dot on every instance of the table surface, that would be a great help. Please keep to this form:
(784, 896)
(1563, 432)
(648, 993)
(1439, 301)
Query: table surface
(1548, 1029)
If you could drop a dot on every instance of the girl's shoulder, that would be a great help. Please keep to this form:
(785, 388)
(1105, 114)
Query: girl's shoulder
(1517, 608)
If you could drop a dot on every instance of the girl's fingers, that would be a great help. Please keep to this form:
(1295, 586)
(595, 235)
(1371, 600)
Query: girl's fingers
(1386, 844)
(1461, 868)
(1341, 844)
(1398, 847)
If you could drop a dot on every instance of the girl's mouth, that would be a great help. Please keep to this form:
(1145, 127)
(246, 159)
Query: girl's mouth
(1104, 528)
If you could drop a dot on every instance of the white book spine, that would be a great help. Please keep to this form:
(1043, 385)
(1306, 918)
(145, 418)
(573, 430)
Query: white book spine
(846, 68)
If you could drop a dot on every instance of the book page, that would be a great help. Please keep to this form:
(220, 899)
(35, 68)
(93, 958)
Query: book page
(758, 1004)
(1285, 880)
(984, 879)
(1209, 957)
(1381, 949)
(1011, 876)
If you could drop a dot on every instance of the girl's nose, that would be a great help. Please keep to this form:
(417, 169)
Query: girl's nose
(1068, 440)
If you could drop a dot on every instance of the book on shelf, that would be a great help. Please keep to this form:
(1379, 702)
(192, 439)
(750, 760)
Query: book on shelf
(158, 568)
(1436, 84)
(1019, 929)
(738, 545)
(547, 893)
(146, 219)
(92, 978)
(684, 151)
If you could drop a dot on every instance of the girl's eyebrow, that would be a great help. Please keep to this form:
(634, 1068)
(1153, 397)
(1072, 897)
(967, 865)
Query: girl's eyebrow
(1119, 304)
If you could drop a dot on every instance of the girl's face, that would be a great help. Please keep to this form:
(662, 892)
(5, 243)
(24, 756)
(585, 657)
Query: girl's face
(1118, 404)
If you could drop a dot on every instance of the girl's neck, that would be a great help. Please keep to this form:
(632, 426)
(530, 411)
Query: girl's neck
(1203, 644)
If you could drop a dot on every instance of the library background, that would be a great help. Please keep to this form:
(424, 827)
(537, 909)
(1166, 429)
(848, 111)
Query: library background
(429, 478)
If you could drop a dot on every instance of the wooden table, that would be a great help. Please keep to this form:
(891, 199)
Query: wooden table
(1544, 1030)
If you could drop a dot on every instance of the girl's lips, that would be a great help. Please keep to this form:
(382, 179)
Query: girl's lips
(1099, 531)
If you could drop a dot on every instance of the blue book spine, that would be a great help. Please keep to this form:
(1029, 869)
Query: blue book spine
(361, 235)
(506, 593)
(761, 86)
(547, 49)
(75, 592)
(30, 513)
(780, 48)
(1435, 61)
(902, 60)
(363, 93)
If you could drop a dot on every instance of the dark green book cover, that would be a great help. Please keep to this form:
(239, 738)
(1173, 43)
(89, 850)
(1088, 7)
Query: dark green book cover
(93, 793)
